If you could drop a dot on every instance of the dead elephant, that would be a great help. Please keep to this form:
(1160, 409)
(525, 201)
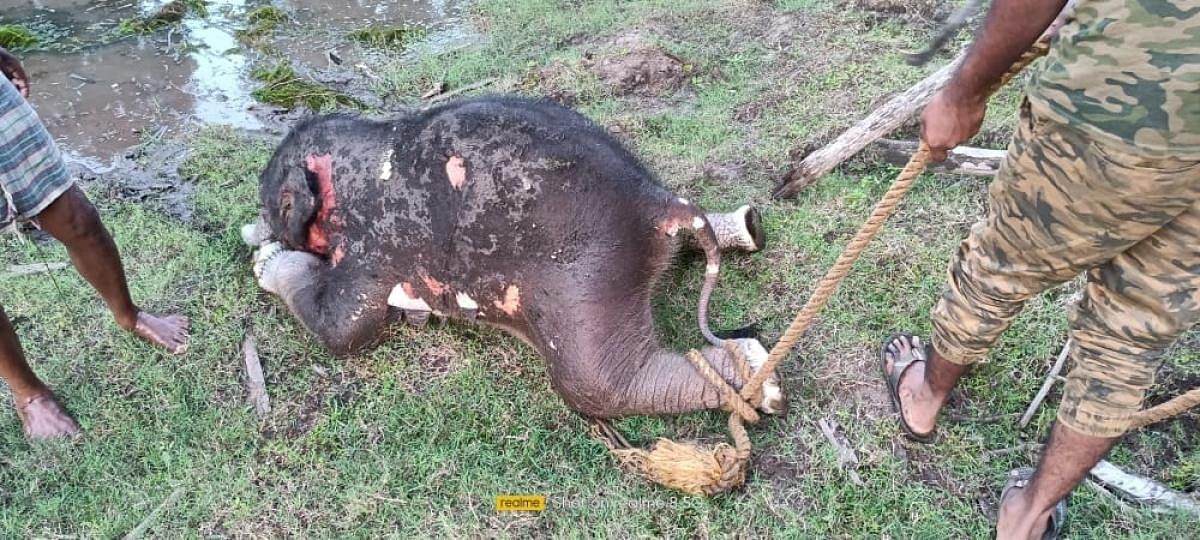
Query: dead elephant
(516, 213)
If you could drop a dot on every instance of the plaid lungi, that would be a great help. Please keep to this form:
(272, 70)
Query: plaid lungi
(32, 172)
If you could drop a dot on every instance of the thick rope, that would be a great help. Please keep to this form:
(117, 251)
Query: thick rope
(1158, 413)
(710, 472)
(884, 209)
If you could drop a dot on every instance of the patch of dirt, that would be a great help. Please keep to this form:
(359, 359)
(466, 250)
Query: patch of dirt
(294, 419)
(147, 173)
(922, 9)
(926, 466)
(783, 30)
(851, 378)
(751, 110)
(631, 65)
(723, 174)
(556, 81)
(775, 469)
(439, 361)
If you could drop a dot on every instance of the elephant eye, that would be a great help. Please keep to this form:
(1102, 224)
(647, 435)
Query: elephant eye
(285, 204)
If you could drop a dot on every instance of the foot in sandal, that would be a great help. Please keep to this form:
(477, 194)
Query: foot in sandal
(904, 359)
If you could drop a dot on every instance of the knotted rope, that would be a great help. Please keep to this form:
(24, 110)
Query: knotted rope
(698, 471)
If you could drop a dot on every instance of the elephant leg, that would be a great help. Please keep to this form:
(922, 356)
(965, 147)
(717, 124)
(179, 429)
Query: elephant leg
(605, 362)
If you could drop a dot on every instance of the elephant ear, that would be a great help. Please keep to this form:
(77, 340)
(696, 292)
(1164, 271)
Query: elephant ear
(297, 205)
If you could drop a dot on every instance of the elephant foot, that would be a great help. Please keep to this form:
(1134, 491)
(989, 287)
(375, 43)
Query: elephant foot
(756, 355)
(740, 229)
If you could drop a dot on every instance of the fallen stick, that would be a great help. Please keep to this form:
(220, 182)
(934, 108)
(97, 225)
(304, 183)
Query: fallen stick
(847, 457)
(989, 455)
(145, 525)
(255, 380)
(961, 160)
(1046, 385)
(475, 86)
(35, 268)
(881, 121)
(1142, 489)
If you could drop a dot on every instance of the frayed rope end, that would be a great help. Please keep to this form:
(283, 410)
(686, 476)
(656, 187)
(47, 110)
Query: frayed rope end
(687, 468)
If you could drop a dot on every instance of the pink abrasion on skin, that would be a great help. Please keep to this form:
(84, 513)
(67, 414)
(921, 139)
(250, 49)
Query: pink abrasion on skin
(456, 170)
(436, 287)
(325, 221)
(512, 301)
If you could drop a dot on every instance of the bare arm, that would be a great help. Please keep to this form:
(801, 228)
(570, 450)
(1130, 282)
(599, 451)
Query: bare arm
(1011, 27)
(12, 68)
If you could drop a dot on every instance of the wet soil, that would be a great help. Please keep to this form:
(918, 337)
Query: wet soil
(100, 93)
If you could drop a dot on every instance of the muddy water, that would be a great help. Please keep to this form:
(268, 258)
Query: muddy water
(99, 99)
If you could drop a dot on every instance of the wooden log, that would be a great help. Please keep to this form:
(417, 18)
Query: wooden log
(880, 122)
(962, 160)
(1142, 489)
(35, 268)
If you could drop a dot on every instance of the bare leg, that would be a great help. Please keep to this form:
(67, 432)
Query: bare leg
(73, 221)
(39, 412)
(1066, 460)
(925, 386)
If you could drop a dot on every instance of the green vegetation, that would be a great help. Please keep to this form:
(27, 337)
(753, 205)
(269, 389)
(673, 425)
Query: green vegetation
(417, 437)
(283, 87)
(197, 7)
(17, 37)
(393, 37)
(262, 21)
(139, 25)
(169, 14)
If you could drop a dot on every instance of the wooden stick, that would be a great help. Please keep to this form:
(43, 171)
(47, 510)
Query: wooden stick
(881, 121)
(1141, 489)
(1046, 385)
(961, 160)
(255, 380)
(475, 86)
(847, 457)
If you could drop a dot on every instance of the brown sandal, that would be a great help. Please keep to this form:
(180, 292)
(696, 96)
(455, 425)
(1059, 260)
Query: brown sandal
(899, 366)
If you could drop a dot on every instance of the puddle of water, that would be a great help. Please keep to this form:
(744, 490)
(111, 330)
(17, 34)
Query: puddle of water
(103, 99)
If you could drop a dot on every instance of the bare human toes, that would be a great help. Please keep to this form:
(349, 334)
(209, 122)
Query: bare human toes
(43, 418)
(169, 332)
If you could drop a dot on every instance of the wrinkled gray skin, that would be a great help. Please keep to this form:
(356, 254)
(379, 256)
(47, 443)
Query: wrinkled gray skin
(549, 229)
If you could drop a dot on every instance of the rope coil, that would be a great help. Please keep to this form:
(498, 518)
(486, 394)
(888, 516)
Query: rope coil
(694, 470)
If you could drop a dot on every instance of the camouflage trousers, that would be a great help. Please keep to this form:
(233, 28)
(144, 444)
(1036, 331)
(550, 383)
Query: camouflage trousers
(1063, 204)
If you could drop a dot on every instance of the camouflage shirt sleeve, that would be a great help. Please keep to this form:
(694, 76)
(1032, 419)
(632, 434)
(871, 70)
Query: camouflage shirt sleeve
(1127, 71)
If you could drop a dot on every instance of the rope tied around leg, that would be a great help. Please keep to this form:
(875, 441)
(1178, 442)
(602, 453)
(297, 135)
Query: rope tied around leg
(699, 471)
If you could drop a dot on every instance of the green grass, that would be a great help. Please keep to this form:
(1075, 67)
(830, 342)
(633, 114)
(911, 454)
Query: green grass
(17, 37)
(416, 437)
(262, 21)
(282, 86)
(388, 37)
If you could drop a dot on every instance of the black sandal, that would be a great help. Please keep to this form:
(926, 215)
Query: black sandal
(899, 365)
(1019, 478)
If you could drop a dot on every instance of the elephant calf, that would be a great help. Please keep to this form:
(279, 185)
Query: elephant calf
(516, 213)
